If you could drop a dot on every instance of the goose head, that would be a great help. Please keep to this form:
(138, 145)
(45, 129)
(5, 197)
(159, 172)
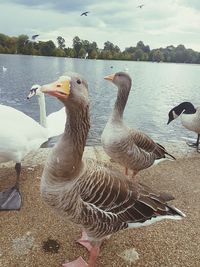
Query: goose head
(184, 107)
(120, 79)
(71, 89)
(35, 90)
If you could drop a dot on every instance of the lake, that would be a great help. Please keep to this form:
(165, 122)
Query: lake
(156, 88)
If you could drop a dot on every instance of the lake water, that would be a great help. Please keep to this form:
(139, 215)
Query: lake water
(156, 88)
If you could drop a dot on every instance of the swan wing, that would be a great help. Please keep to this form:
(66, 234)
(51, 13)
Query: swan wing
(56, 122)
(17, 120)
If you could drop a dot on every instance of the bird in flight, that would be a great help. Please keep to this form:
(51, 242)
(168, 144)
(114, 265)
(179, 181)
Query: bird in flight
(34, 36)
(85, 13)
(140, 6)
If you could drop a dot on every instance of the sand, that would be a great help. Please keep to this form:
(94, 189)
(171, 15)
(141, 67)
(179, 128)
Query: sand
(36, 237)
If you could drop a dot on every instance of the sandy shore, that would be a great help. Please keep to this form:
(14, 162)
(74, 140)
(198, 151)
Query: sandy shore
(25, 234)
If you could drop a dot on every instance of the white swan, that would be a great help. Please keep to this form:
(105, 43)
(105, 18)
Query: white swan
(54, 122)
(19, 135)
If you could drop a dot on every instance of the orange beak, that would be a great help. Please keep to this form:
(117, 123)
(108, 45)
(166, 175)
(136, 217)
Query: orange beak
(109, 77)
(60, 89)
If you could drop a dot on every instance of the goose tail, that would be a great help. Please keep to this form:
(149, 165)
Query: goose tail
(165, 152)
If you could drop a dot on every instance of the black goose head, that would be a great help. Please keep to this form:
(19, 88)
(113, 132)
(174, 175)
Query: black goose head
(184, 107)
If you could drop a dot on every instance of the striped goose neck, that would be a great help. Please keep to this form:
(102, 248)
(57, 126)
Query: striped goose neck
(77, 128)
(122, 97)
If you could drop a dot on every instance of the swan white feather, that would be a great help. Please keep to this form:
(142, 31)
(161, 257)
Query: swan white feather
(54, 122)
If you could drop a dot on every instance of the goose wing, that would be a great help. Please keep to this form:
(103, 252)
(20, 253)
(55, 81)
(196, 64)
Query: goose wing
(112, 202)
(145, 143)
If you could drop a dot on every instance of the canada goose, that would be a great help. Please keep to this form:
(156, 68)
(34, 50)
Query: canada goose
(19, 135)
(98, 198)
(131, 148)
(190, 118)
(55, 121)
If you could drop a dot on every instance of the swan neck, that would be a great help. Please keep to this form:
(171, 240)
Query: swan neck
(43, 115)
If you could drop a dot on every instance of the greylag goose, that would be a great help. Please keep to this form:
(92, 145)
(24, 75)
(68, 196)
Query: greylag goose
(190, 118)
(131, 148)
(100, 199)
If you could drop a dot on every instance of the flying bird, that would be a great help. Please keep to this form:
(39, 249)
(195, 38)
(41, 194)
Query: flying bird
(34, 36)
(140, 6)
(85, 13)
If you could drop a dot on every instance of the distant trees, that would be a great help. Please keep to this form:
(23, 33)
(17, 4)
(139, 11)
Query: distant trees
(82, 48)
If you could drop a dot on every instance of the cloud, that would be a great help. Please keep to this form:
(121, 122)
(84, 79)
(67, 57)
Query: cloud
(158, 23)
(61, 5)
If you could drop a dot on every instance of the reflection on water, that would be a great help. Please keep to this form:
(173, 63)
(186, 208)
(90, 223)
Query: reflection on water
(156, 89)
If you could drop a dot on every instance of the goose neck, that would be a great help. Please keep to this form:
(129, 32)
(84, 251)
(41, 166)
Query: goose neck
(120, 103)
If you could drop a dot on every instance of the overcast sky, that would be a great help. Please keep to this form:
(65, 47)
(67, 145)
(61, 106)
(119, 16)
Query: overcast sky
(158, 23)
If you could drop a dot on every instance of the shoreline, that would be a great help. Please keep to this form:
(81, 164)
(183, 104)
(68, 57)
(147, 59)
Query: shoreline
(178, 149)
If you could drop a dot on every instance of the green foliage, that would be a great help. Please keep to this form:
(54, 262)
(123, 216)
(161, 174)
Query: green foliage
(140, 52)
(61, 42)
(47, 48)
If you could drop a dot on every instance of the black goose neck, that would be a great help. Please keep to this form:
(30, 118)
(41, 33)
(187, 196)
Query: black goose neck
(185, 107)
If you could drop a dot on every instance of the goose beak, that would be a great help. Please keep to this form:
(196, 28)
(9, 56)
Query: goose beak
(109, 77)
(59, 89)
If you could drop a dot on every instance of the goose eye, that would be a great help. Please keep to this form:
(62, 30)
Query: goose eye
(78, 81)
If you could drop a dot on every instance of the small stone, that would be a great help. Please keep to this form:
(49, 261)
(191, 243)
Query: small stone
(129, 255)
(28, 233)
(23, 245)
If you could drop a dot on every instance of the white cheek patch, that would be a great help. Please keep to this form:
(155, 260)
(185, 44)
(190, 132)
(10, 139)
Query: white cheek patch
(174, 114)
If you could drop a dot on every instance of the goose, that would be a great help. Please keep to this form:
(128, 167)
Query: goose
(98, 198)
(190, 118)
(54, 122)
(19, 135)
(129, 147)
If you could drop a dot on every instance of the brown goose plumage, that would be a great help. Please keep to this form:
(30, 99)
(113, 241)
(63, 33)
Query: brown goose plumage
(129, 147)
(95, 196)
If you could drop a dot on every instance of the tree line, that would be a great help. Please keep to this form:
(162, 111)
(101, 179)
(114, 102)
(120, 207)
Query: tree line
(85, 49)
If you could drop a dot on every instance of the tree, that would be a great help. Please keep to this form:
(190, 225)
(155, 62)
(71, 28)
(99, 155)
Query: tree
(157, 55)
(77, 44)
(61, 42)
(22, 41)
(47, 48)
(82, 52)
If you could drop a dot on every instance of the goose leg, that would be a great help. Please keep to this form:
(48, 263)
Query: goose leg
(94, 253)
(198, 143)
(11, 198)
(84, 241)
(126, 171)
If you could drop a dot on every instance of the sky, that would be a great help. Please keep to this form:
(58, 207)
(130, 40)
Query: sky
(158, 23)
